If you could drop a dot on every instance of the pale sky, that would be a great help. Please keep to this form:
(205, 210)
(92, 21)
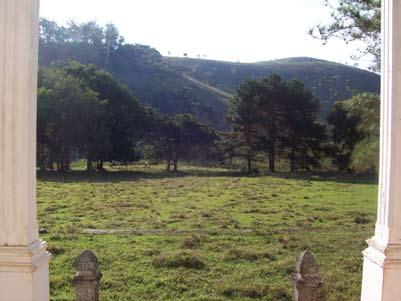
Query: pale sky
(233, 30)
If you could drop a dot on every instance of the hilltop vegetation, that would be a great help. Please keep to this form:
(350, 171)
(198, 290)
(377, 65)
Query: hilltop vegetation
(163, 82)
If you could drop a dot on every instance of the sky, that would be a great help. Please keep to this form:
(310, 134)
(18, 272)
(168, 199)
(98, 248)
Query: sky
(231, 30)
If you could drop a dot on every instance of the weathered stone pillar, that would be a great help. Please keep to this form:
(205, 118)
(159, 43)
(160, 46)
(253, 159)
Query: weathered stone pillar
(382, 259)
(87, 278)
(306, 280)
(23, 257)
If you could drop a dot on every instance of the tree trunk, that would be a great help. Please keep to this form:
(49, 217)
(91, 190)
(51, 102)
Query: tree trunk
(272, 159)
(50, 163)
(89, 165)
(41, 157)
(293, 166)
(249, 165)
(100, 165)
(66, 162)
(168, 165)
(175, 162)
(42, 165)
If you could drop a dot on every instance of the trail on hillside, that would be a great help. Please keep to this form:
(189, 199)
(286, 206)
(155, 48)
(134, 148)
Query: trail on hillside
(207, 86)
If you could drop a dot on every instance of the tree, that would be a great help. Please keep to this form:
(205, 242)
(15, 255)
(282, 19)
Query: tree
(243, 115)
(273, 97)
(123, 114)
(355, 20)
(176, 138)
(43, 128)
(278, 118)
(365, 156)
(289, 119)
(85, 42)
(355, 133)
(67, 109)
(157, 134)
(303, 141)
(112, 42)
(188, 139)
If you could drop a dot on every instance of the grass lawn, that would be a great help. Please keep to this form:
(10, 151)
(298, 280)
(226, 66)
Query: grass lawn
(206, 234)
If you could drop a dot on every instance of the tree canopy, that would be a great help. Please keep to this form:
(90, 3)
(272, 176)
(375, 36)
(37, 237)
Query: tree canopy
(354, 128)
(279, 119)
(355, 20)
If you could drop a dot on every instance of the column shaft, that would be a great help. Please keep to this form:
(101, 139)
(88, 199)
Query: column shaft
(382, 259)
(23, 257)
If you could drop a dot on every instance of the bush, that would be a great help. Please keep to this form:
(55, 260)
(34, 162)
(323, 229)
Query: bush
(365, 157)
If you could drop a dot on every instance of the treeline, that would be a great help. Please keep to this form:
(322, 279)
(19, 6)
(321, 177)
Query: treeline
(84, 113)
(275, 120)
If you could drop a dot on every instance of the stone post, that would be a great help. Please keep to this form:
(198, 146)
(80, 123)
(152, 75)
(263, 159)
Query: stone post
(87, 278)
(382, 259)
(23, 256)
(306, 280)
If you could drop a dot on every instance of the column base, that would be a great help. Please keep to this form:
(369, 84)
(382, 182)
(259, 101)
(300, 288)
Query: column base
(24, 272)
(381, 272)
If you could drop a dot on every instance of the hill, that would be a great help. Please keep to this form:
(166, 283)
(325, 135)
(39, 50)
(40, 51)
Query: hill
(328, 81)
(185, 85)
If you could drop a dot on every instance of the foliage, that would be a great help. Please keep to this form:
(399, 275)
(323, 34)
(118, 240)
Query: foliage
(68, 115)
(355, 20)
(84, 111)
(124, 114)
(355, 132)
(278, 118)
(243, 115)
(179, 138)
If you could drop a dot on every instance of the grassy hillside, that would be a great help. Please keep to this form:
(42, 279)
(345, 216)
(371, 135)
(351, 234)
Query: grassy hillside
(203, 87)
(328, 81)
(205, 234)
(144, 71)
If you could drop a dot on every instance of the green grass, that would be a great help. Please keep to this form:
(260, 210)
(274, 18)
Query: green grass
(206, 234)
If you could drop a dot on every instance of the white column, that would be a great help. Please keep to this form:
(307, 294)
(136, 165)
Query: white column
(382, 259)
(23, 257)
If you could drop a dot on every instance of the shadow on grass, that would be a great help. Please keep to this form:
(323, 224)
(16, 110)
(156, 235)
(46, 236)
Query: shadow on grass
(337, 177)
(127, 176)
